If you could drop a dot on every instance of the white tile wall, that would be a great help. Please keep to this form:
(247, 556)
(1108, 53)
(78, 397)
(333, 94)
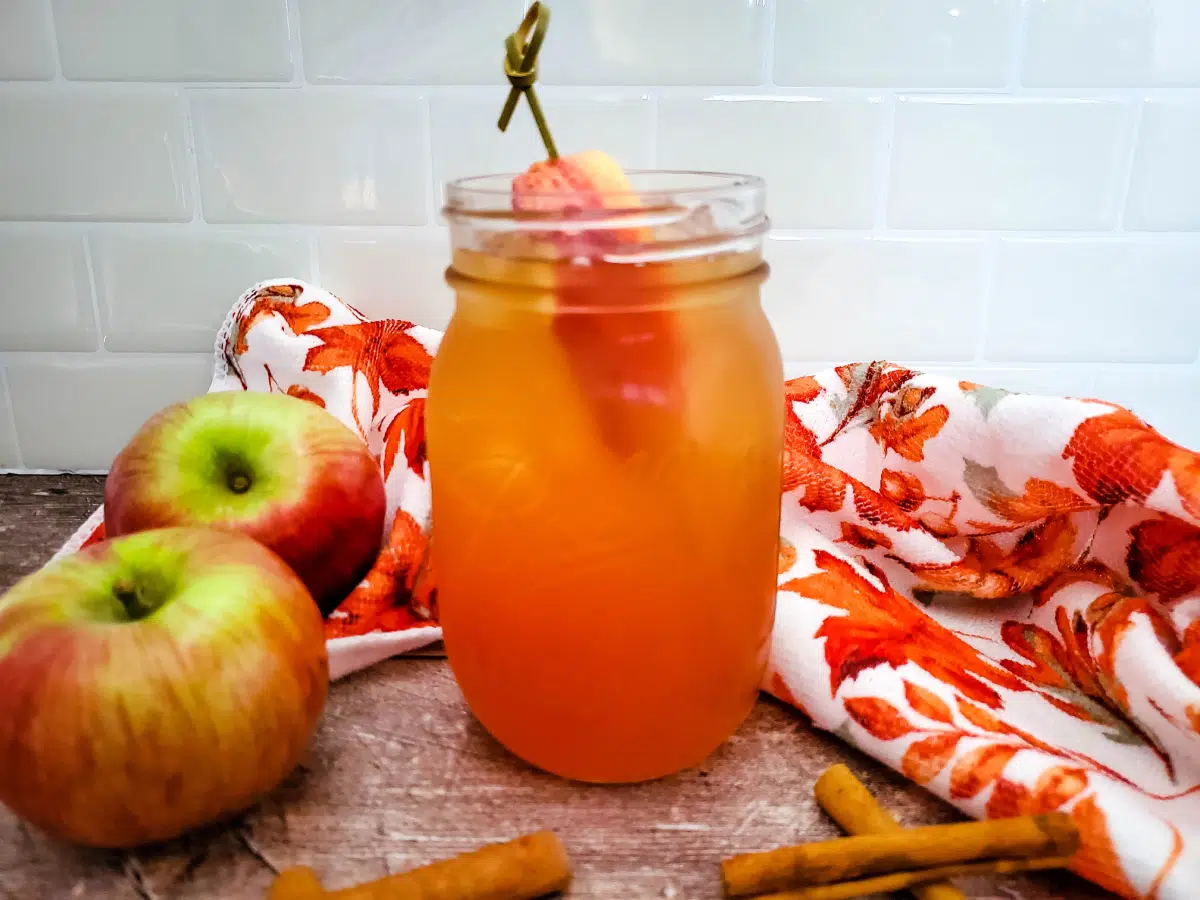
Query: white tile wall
(1095, 300)
(311, 156)
(174, 40)
(912, 43)
(76, 414)
(1113, 43)
(389, 273)
(44, 274)
(1007, 164)
(73, 153)
(877, 297)
(655, 42)
(405, 41)
(1165, 192)
(1001, 190)
(828, 177)
(169, 289)
(26, 45)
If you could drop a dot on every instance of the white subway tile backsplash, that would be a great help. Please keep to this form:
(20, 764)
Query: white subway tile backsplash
(1168, 398)
(26, 48)
(466, 140)
(659, 42)
(876, 43)
(389, 274)
(174, 40)
(1113, 43)
(1096, 301)
(1164, 194)
(1000, 190)
(311, 157)
(169, 289)
(79, 414)
(9, 457)
(876, 298)
(1007, 164)
(820, 157)
(45, 292)
(406, 41)
(93, 154)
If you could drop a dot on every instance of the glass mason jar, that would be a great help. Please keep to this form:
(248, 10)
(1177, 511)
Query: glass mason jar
(605, 436)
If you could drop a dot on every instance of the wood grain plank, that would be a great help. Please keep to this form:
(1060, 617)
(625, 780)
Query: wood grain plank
(37, 514)
(400, 774)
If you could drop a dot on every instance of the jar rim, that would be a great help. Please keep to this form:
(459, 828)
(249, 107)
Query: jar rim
(651, 188)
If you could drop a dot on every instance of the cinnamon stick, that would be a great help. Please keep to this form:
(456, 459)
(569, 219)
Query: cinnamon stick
(530, 866)
(848, 802)
(845, 859)
(898, 881)
(299, 883)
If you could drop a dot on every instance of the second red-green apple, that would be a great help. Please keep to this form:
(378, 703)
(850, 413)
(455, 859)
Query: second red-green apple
(276, 468)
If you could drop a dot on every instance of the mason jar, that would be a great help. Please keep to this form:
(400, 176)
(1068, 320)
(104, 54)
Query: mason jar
(605, 431)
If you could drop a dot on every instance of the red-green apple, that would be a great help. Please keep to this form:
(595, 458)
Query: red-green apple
(154, 683)
(277, 468)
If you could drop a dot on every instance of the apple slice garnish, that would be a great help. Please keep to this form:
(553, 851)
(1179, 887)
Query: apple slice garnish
(627, 362)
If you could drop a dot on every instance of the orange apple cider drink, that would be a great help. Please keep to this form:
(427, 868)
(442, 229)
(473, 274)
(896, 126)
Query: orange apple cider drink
(605, 429)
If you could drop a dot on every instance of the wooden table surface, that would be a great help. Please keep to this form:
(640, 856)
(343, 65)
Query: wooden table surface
(401, 775)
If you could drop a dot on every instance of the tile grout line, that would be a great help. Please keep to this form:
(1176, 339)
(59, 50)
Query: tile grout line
(652, 139)
(314, 256)
(1023, 94)
(191, 150)
(991, 267)
(261, 229)
(55, 357)
(1020, 39)
(93, 286)
(295, 44)
(883, 165)
(55, 50)
(1154, 238)
(433, 190)
(1134, 131)
(768, 63)
(6, 394)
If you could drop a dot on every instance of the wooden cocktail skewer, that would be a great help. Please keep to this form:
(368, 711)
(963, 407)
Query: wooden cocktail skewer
(848, 802)
(521, 50)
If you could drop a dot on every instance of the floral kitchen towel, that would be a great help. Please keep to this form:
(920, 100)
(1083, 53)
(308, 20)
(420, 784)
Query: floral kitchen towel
(996, 594)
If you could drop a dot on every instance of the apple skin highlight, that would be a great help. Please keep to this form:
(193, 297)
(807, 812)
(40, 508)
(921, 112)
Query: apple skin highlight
(279, 469)
(155, 683)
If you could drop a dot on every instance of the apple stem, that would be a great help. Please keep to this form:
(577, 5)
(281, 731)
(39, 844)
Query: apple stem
(239, 483)
(130, 597)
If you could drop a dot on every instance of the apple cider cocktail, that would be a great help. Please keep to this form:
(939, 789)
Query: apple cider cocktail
(605, 429)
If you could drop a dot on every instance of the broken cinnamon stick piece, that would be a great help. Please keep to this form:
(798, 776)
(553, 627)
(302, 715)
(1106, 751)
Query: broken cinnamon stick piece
(530, 866)
(845, 859)
(299, 883)
(898, 881)
(849, 803)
